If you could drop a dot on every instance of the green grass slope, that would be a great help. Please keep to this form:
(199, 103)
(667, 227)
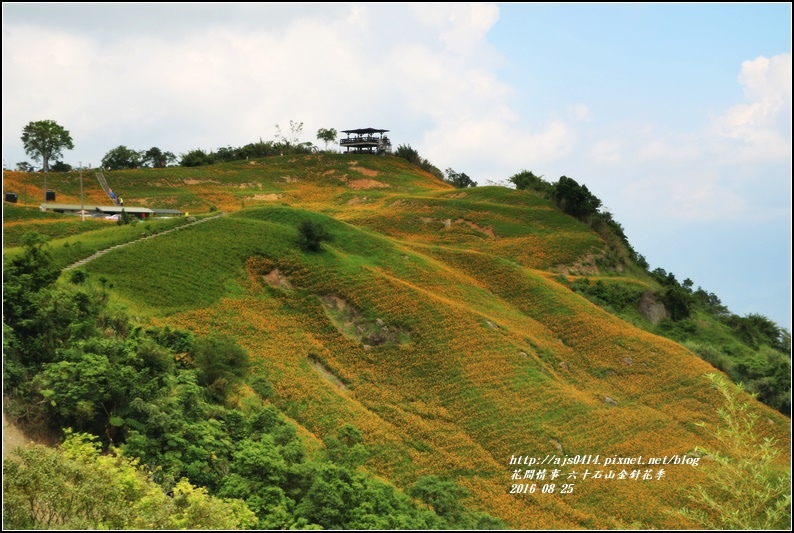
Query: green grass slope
(437, 323)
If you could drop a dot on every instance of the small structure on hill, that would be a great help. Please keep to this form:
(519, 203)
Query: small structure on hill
(366, 140)
(105, 211)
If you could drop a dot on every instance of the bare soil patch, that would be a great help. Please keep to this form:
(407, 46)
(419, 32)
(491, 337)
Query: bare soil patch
(12, 436)
(274, 278)
(326, 373)
(367, 184)
(585, 266)
(351, 323)
(366, 171)
(197, 182)
(487, 230)
(267, 197)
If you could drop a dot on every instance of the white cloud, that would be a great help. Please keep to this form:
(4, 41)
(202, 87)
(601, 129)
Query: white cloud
(580, 112)
(462, 28)
(760, 128)
(401, 67)
(608, 152)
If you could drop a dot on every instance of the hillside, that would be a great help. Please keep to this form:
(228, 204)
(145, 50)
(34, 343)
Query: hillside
(440, 322)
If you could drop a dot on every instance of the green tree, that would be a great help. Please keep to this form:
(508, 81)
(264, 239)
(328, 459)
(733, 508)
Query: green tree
(459, 180)
(404, 151)
(749, 490)
(156, 158)
(443, 496)
(312, 235)
(77, 487)
(45, 140)
(220, 363)
(678, 302)
(346, 448)
(121, 157)
(23, 277)
(326, 135)
(197, 158)
(126, 218)
(527, 180)
(576, 200)
(60, 166)
(290, 140)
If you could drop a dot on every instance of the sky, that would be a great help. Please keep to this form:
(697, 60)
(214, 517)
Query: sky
(676, 115)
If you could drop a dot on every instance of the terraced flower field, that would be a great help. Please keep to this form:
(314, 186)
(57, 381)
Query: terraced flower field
(470, 350)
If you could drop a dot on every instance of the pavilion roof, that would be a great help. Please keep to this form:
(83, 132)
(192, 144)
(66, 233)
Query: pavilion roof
(361, 131)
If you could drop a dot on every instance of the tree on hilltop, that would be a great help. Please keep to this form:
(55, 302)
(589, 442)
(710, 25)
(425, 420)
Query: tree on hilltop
(311, 236)
(459, 179)
(44, 140)
(326, 135)
(527, 180)
(576, 200)
(121, 157)
(156, 158)
(295, 130)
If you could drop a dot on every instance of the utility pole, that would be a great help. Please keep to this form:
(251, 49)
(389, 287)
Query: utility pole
(82, 204)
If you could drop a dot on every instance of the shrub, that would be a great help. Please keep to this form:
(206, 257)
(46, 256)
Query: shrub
(750, 490)
(311, 236)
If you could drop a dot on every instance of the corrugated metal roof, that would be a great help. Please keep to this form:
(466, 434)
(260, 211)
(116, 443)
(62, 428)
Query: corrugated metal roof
(100, 208)
(365, 130)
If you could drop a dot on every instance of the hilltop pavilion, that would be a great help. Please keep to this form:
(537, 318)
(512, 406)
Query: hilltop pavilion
(366, 140)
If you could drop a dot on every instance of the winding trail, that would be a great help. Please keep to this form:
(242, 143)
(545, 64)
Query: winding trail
(100, 253)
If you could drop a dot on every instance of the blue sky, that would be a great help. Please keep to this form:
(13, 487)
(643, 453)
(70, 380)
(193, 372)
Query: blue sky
(678, 116)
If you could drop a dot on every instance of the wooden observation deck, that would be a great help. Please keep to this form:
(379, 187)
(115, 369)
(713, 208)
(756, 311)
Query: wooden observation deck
(366, 140)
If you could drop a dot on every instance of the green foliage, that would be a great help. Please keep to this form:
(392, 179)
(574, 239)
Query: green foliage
(459, 180)
(312, 235)
(25, 279)
(291, 139)
(766, 374)
(249, 151)
(156, 158)
(220, 364)
(125, 219)
(576, 200)
(405, 151)
(121, 157)
(346, 448)
(752, 491)
(678, 302)
(326, 135)
(45, 140)
(613, 296)
(443, 496)
(756, 330)
(75, 487)
(60, 166)
(196, 158)
(409, 154)
(526, 180)
(678, 299)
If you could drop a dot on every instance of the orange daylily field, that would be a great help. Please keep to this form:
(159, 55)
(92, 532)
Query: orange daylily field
(490, 356)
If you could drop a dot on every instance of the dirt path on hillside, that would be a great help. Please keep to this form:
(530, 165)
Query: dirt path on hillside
(12, 436)
(106, 250)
